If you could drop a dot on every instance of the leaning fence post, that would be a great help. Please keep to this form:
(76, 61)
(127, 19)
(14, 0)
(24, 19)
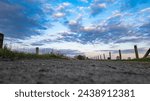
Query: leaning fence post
(37, 50)
(136, 52)
(146, 54)
(120, 56)
(1, 40)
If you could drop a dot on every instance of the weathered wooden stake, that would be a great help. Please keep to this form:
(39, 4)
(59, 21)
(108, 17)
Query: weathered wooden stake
(37, 50)
(147, 53)
(100, 57)
(110, 55)
(136, 52)
(1, 40)
(104, 56)
(120, 56)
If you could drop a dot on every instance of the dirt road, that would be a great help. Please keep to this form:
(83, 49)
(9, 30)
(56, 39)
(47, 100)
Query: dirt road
(73, 71)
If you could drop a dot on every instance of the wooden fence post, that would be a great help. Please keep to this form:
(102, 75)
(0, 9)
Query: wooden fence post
(110, 55)
(104, 56)
(1, 40)
(120, 55)
(136, 52)
(37, 50)
(100, 57)
(146, 54)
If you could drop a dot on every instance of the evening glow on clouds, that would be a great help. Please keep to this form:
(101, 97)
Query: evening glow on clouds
(89, 27)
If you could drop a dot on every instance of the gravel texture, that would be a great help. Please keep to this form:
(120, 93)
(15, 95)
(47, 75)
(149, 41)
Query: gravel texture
(73, 72)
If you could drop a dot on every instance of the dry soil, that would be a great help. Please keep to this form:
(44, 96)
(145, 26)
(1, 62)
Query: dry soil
(73, 72)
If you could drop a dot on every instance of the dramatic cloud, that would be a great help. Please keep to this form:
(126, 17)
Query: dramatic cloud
(21, 19)
(110, 31)
(62, 10)
(145, 28)
(97, 8)
(87, 23)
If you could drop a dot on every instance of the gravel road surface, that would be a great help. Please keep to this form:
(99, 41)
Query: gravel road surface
(73, 72)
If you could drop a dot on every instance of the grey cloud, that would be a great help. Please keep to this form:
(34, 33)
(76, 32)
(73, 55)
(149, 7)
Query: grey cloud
(37, 44)
(75, 26)
(111, 31)
(61, 11)
(45, 41)
(145, 28)
(96, 8)
(101, 33)
(133, 40)
(114, 20)
(99, 6)
(15, 21)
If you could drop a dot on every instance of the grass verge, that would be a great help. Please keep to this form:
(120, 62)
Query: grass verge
(7, 53)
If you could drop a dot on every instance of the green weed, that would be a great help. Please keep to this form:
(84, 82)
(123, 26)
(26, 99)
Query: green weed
(8, 53)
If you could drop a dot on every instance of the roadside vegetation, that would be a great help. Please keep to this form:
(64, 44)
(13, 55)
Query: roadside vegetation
(7, 53)
(141, 60)
(81, 57)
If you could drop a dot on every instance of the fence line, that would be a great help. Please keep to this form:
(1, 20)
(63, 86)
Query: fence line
(119, 57)
(99, 57)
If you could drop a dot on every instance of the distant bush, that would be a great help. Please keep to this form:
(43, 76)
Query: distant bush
(80, 57)
(8, 53)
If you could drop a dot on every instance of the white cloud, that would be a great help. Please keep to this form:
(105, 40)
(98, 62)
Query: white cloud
(145, 10)
(72, 22)
(115, 15)
(63, 6)
(89, 28)
(102, 5)
(58, 15)
(66, 4)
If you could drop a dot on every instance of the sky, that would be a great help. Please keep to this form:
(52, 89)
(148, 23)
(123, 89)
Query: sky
(89, 27)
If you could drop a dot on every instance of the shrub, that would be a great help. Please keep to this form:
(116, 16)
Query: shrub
(80, 57)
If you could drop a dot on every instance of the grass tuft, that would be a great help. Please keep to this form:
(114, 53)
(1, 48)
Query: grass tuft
(7, 53)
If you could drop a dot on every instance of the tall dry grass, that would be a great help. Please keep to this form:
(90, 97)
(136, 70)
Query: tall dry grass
(8, 53)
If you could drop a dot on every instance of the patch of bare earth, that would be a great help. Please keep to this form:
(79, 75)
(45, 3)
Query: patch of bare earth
(73, 71)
